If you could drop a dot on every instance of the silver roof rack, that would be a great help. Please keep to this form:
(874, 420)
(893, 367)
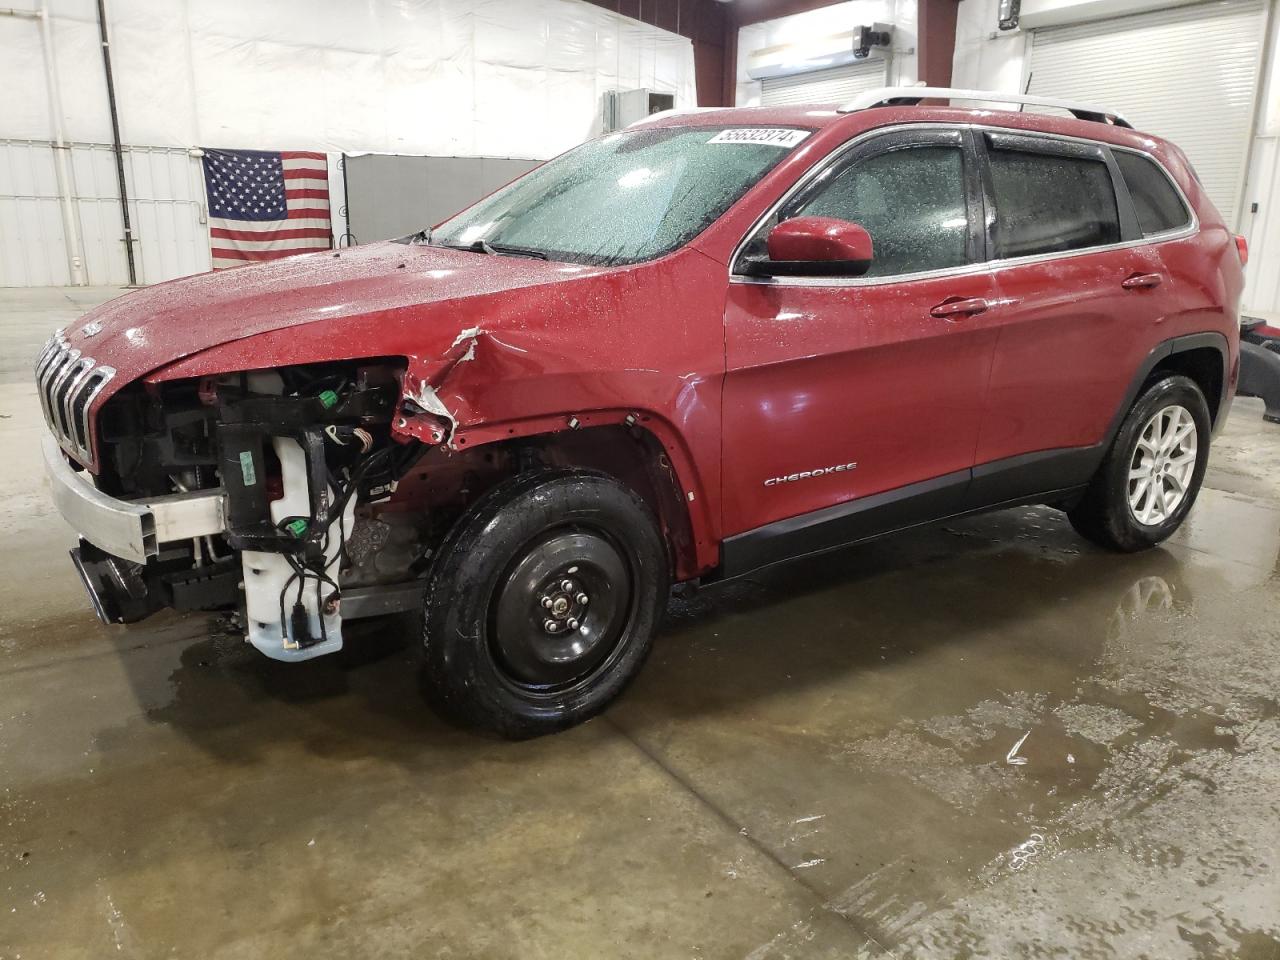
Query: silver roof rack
(909, 96)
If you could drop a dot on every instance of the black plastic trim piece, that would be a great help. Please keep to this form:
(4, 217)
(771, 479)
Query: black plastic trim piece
(1030, 143)
(804, 268)
(844, 523)
(868, 518)
(1031, 474)
(1167, 348)
(1129, 227)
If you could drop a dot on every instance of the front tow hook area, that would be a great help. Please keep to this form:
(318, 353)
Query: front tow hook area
(115, 587)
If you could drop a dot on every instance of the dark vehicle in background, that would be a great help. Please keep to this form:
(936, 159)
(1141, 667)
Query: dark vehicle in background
(1260, 365)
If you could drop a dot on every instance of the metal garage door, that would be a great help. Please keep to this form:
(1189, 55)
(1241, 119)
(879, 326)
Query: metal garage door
(835, 85)
(1187, 74)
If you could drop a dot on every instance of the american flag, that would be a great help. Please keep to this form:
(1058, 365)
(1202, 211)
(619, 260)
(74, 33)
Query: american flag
(264, 205)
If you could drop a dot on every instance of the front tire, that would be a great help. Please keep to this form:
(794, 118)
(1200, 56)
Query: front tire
(542, 603)
(1152, 475)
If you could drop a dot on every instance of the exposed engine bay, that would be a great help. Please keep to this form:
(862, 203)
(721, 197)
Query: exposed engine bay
(309, 475)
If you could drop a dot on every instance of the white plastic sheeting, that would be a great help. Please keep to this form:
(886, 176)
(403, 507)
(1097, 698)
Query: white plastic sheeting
(442, 77)
(837, 18)
(439, 77)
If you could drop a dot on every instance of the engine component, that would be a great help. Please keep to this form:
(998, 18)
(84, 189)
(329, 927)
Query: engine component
(285, 598)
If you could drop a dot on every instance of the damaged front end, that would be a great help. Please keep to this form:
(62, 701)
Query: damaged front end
(240, 492)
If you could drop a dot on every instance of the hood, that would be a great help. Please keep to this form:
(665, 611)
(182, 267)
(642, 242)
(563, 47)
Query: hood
(153, 327)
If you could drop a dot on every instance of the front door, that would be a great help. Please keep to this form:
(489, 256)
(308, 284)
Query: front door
(855, 404)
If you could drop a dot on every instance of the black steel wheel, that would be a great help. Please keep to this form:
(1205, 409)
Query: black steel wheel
(542, 603)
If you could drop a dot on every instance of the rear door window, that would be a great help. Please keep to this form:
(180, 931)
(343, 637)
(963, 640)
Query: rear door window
(1155, 199)
(1046, 203)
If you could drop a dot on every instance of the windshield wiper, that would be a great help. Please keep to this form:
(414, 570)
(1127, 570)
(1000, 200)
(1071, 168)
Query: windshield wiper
(496, 249)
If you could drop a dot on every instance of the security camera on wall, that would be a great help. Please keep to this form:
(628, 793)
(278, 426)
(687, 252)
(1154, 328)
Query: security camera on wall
(875, 35)
(1008, 14)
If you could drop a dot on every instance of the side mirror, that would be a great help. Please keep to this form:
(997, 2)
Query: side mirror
(815, 247)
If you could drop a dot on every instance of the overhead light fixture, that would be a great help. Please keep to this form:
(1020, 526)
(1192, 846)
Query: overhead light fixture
(819, 53)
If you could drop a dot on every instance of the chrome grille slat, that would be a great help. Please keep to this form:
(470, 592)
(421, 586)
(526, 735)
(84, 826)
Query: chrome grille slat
(97, 380)
(79, 371)
(69, 383)
(51, 371)
(55, 388)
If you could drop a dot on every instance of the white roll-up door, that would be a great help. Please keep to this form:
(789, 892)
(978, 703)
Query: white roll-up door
(1187, 74)
(833, 85)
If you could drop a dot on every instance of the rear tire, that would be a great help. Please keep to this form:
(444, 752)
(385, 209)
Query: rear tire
(1151, 476)
(542, 603)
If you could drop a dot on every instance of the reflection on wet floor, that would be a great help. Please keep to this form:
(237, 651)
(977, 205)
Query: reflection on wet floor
(968, 741)
(1061, 747)
(985, 739)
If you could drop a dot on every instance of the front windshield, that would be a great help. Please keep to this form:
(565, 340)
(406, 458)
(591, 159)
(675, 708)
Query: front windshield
(624, 198)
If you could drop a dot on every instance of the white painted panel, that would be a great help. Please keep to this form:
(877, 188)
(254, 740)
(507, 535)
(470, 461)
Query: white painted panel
(166, 207)
(98, 210)
(32, 251)
(834, 85)
(31, 243)
(1052, 13)
(1187, 74)
(1262, 229)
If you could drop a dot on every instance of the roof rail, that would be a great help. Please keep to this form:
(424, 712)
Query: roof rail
(909, 96)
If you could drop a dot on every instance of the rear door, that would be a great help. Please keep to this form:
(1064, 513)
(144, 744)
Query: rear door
(862, 397)
(1082, 296)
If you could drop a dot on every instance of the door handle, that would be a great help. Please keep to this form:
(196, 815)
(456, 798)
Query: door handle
(1141, 281)
(958, 307)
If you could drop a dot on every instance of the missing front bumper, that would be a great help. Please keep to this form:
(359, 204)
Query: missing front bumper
(132, 530)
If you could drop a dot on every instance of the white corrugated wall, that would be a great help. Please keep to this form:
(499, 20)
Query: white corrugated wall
(166, 207)
(32, 248)
(1262, 229)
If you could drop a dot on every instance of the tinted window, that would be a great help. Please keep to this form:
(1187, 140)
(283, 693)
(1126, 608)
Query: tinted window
(1155, 199)
(910, 200)
(1048, 204)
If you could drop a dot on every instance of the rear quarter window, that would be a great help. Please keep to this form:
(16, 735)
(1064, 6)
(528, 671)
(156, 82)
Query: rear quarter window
(1051, 204)
(1155, 199)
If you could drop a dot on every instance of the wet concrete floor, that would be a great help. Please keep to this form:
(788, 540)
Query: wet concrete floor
(987, 739)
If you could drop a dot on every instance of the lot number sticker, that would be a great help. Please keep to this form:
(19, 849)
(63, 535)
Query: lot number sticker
(772, 136)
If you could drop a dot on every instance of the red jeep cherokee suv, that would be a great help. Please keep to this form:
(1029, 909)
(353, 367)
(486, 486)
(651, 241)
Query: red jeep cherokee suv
(711, 342)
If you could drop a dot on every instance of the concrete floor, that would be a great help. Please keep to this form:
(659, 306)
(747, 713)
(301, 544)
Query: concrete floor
(983, 740)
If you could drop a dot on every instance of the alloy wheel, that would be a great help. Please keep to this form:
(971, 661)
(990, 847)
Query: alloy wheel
(1162, 466)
